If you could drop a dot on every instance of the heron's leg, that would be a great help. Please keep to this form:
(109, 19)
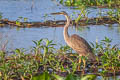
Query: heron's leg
(80, 60)
(84, 65)
(78, 68)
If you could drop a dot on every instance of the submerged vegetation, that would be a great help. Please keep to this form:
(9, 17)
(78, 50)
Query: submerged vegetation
(45, 62)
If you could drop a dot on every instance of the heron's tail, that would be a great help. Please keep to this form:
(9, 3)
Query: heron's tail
(92, 57)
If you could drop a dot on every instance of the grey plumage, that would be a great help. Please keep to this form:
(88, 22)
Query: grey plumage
(77, 43)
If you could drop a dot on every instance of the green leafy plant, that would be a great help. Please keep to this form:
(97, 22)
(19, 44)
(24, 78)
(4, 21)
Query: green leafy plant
(43, 76)
(38, 46)
(44, 62)
(0, 16)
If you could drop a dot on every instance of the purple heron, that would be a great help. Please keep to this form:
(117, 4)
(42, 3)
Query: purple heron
(77, 43)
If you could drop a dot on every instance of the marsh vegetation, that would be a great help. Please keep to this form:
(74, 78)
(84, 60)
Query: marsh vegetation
(46, 62)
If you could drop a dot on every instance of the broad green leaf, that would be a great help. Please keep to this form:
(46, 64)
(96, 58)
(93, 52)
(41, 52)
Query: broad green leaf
(35, 43)
(58, 77)
(17, 50)
(44, 76)
(89, 77)
(70, 77)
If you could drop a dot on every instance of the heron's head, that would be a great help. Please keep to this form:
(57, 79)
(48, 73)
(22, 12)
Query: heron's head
(59, 13)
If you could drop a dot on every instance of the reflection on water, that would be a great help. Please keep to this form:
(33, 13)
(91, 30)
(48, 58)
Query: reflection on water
(23, 37)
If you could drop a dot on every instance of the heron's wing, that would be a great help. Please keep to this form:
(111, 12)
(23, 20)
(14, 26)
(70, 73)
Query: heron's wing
(80, 45)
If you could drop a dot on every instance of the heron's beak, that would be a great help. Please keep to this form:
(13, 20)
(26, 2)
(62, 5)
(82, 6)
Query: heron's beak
(58, 13)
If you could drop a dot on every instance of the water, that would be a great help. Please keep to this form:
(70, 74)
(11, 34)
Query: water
(35, 11)
(23, 37)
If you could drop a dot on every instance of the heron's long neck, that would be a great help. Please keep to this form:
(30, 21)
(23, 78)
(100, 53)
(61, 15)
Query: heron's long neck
(66, 35)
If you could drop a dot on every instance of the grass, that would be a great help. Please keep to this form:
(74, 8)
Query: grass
(44, 61)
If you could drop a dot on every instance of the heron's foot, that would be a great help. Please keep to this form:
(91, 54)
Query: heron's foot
(83, 71)
(79, 63)
(84, 64)
(78, 68)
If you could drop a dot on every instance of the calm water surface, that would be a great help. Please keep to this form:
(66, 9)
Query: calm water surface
(35, 11)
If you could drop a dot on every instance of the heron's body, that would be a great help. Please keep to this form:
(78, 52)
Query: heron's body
(80, 46)
(77, 43)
